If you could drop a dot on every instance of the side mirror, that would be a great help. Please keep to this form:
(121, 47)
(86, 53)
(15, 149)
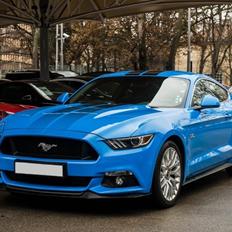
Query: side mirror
(63, 98)
(209, 101)
(27, 98)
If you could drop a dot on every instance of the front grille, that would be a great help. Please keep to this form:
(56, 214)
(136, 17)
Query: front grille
(38, 146)
(49, 181)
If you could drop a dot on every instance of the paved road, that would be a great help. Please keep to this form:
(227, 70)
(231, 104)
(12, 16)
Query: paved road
(204, 206)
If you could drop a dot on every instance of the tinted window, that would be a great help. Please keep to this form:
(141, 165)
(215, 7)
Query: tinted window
(51, 90)
(129, 90)
(204, 87)
(15, 92)
(135, 90)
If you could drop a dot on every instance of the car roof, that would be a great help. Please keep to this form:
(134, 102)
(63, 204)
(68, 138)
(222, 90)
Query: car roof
(151, 73)
(68, 79)
(66, 74)
(28, 81)
(29, 74)
(96, 74)
(193, 77)
(5, 80)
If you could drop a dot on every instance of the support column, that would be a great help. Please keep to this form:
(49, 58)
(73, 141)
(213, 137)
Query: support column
(44, 58)
(189, 58)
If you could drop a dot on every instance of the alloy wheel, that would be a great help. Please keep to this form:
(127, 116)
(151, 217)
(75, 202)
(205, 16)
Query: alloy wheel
(170, 174)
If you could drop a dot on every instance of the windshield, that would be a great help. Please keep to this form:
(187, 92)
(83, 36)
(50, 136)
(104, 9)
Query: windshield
(51, 90)
(159, 92)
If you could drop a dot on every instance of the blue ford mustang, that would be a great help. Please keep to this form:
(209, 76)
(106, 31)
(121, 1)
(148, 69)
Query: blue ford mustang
(121, 135)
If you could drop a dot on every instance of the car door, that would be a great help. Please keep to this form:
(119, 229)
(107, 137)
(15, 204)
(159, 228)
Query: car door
(209, 130)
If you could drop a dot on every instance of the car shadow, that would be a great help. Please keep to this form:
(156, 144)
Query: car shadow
(112, 207)
(204, 184)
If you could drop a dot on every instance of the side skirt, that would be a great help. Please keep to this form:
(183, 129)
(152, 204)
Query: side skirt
(207, 173)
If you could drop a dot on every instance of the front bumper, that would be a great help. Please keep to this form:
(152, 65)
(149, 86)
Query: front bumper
(140, 162)
(81, 195)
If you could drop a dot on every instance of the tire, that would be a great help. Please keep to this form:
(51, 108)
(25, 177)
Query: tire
(167, 185)
(229, 171)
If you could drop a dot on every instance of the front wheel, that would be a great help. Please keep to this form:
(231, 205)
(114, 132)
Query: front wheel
(168, 176)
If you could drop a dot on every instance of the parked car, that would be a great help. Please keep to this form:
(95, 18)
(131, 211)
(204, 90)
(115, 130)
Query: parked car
(74, 83)
(9, 109)
(129, 135)
(32, 92)
(65, 74)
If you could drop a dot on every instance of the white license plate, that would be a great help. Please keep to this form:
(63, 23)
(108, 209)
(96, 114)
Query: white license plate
(39, 169)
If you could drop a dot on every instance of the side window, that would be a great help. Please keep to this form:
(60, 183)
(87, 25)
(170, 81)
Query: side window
(204, 87)
(199, 93)
(217, 91)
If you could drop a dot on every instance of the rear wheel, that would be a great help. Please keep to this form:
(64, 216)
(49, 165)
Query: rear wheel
(168, 175)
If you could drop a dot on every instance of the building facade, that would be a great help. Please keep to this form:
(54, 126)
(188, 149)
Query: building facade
(15, 53)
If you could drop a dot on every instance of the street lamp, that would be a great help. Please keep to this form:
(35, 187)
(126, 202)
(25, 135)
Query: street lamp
(60, 37)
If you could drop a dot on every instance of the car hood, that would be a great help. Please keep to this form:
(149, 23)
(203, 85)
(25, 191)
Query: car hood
(104, 120)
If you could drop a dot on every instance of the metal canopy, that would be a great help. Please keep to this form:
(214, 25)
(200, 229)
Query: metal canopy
(50, 12)
(46, 13)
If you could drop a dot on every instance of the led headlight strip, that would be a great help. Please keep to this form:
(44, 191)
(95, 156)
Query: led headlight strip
(129, 142)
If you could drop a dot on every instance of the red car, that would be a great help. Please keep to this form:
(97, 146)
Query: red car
(7, 109)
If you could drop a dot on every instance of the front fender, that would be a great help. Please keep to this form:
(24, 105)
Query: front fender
(163, 132)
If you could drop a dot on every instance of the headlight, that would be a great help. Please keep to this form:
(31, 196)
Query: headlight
(129, 142)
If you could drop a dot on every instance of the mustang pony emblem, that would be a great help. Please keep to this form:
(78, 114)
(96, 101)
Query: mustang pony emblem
(46, 147)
